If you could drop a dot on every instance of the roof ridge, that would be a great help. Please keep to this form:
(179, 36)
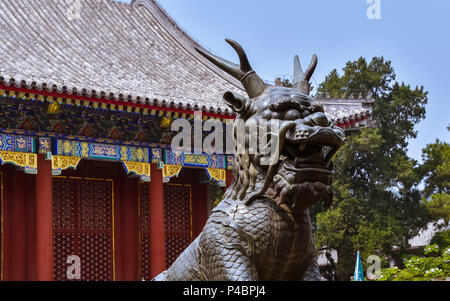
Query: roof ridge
(186, 40)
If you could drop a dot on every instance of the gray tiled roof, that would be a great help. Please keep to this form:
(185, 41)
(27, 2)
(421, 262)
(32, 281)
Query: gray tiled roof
(115, 51)
(346, 110)
(114, 48)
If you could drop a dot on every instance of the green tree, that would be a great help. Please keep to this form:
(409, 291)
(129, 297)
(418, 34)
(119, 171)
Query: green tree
(332, 86)
(359, 78)
(435, 172)
(377, 200)
(442, 239)
(439, 206)
(434, 265)
(436, 168)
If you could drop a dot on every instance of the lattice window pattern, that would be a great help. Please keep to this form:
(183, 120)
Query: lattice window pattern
(66, 248)
(95, 215)
(82, 225)
(144, 232)
(95, 255)
(177, 220)
(63, 213)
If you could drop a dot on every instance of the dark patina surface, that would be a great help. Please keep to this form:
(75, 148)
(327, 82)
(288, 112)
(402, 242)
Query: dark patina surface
(261, 230)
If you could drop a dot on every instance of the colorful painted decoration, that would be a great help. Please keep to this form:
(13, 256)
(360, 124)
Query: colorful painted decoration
(215, 165)
(13, 143)
(53, 108)
(217, 161)
(67, 116)
(230, 162)
(170, 171)
(157, 155)
(45, 145)
(218, 175)
(195, 160)
(60, 163)
(138, 169)
(100, 151)
(27, 161)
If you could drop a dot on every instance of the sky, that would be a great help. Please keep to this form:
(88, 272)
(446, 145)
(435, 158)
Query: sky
(412, 34)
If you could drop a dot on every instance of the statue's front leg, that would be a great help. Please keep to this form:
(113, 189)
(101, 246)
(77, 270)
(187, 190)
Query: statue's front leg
(311, 273)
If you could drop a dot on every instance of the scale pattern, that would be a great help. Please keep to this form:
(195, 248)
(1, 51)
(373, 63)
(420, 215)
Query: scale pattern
(248, 243)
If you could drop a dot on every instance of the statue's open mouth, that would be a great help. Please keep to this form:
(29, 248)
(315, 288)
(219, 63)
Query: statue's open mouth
(309, 155)
(304, 176)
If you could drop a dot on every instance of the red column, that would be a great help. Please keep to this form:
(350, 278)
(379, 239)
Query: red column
(199, 206)
(17, 253)
(229, 177)
(129, 230)
(30, 197)
(157, 237)
(44, 226)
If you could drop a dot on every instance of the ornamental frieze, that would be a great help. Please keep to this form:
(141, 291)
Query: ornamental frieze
(17, 143)
(170, 171)
(195, 160)
(218, 175)
(27, 161)
(71, 148)
(139, 169)
(60, 163)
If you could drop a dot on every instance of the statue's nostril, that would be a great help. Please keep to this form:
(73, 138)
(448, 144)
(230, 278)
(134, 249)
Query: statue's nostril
(320, 119)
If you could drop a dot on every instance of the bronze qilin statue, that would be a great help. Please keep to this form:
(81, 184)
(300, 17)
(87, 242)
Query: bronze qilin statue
(261, 230)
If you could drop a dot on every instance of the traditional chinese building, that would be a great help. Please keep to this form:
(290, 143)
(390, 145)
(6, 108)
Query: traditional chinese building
(87, 97)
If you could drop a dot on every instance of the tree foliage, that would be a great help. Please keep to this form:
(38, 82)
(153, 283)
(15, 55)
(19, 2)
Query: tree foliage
(377, 200)
(435, 265)
(435, 169)
(435, 172)
(439, 206)
(359, 78)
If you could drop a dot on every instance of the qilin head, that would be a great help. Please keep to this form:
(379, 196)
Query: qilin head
(299, 172)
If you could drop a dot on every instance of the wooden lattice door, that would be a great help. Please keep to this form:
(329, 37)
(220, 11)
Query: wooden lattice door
(177, 220)
(144, 232)
(1, 226)
(83, 226)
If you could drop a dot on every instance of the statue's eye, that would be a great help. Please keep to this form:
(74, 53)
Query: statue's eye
(292, 114)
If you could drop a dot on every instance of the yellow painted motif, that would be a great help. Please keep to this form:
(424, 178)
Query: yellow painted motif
(196, 159)
(139, 169)
(84, 149)
(26, 160)
(219, 175)
(60, 163)
(170, 171)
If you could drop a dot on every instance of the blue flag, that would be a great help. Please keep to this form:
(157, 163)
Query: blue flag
(359, 273)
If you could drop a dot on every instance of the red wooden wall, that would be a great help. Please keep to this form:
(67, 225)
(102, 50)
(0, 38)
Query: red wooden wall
(19, 225)
(19, 229)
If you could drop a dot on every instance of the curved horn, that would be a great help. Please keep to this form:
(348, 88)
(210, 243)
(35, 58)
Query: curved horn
(253, 84)
(301, 79)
